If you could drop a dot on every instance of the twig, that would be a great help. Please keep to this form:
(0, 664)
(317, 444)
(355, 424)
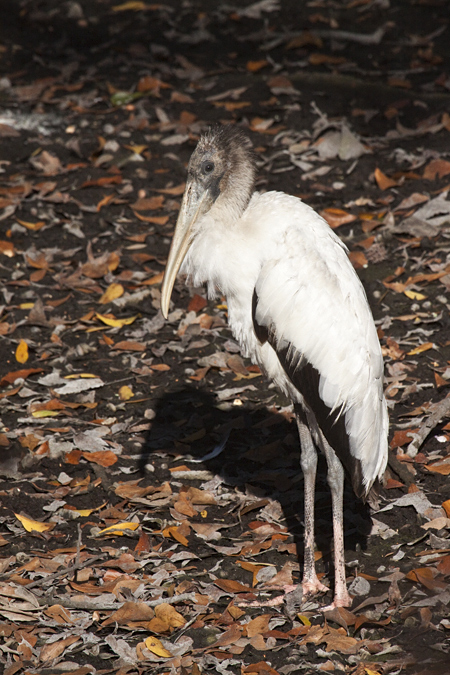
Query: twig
(63, 572)
(439, 410)
(69, 603)
(361, 38)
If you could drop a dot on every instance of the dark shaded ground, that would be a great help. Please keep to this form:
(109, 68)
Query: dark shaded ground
(101, 107)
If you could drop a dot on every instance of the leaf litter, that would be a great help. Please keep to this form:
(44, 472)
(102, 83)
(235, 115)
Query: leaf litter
(151, 489)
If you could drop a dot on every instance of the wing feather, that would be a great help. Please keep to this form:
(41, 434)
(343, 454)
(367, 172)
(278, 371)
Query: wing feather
(311, 307)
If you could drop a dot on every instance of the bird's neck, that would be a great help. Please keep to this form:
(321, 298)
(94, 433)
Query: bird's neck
(218, 254)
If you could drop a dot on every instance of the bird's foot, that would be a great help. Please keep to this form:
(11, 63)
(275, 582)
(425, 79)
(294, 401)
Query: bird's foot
(312, 587)
(343, 600)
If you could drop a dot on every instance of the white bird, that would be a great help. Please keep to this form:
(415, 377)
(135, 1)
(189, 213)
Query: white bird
(298, 310)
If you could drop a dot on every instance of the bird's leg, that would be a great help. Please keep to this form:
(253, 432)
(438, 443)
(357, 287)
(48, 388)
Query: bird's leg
(335, 480)
(310, 582)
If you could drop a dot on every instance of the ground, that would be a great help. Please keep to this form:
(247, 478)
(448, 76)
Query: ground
(160, 430)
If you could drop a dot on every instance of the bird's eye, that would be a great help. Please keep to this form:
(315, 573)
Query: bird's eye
(207, 167)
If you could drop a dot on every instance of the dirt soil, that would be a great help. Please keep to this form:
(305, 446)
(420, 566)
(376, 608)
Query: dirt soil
(150, 487)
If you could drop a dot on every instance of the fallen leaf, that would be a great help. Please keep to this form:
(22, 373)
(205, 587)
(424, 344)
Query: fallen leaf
(383, 181)
(443, 567)
(7, 248)
(34, 525)
(443, 466)
(131, 613)
(103, 458)
(232, 586)
(125, 393)
(10, 378)
(155, 646)
(148, 203)
(337, 217)
(260, 668)
(255, 66)
(149, 83)
(130, 346)
(116, 323)
(169, 615)
(196, 303)
(113, 292)
(421, 348)
(22, 352)
(118, 529)
(31, 226)
(174, 532)
(446, 507)
(52, 650)
(258, 625)
(437, 168)
(413, 295)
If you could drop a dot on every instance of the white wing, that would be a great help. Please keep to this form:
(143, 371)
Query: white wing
(314, 307)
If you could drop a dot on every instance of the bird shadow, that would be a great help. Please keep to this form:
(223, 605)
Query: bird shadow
(260, 460)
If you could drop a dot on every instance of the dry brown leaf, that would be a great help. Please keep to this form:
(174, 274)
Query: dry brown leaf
(197, 303)
(260, 668)
(169, 615)
(11, 377)
(7, 248)
(255, 66)
(149, 83)
(446, 507)
(175, 191)
(130, 346)
(337, 217)
(155, 220)
(230, 106)
(198, 496)
(383, 181)
(130, 612)
(358, 259)
(148, 203)
(47, 163)
(402, 437)
(258, 625)
(229, 637)
(176, 533)
(52, 650)
(337, 640)
(437, 168)
(425, 576)
(104, 458)
(443, 466)
(231, 586)
(401, 82)
(161, 367)
(102, 182)
(443, 567)
(59, 614)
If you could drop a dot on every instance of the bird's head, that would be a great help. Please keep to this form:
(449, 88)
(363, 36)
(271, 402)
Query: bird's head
(221, 176)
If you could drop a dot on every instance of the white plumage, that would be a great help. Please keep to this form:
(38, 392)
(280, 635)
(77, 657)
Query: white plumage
(297, 309)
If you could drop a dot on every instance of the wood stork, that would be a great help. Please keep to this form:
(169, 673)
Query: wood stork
(298, 310)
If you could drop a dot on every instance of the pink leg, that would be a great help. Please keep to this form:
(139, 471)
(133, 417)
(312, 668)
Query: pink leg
(310, 582)
(336, 482)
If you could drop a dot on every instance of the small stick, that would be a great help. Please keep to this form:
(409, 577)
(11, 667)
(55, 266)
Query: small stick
(438, 411)
(62, 572)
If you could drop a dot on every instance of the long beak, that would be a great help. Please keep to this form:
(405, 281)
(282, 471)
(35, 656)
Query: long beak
(196, 201)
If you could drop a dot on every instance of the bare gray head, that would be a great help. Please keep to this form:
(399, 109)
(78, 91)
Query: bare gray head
(220, 183)
(223, 165)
